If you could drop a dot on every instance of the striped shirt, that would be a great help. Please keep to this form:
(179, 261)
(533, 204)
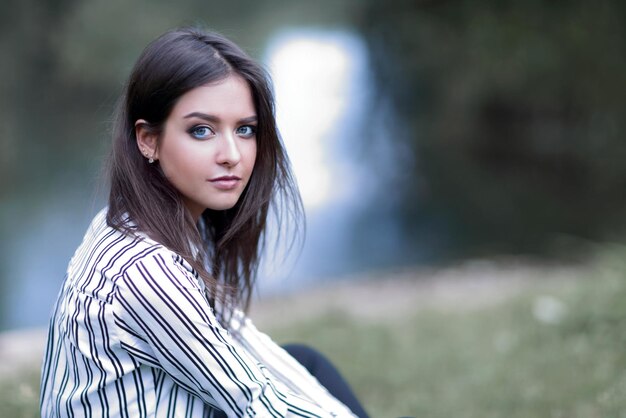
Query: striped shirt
(133, 335)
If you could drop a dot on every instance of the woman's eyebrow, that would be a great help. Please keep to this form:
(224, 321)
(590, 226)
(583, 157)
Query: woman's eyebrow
(215, 119)
(209, 118)
(250, 119)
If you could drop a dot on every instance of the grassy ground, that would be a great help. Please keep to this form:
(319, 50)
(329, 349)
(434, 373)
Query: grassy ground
(540, 352)
(537, 354)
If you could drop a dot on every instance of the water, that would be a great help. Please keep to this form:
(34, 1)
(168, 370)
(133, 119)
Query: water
(40, 249)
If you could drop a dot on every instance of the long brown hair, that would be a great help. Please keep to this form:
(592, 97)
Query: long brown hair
(224, 246)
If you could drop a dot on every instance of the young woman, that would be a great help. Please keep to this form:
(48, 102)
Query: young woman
(150, 319)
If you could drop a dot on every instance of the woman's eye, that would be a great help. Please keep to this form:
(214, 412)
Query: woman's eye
(201, 132)
(246, 131)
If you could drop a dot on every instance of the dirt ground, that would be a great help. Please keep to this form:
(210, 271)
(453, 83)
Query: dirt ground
(383, 296)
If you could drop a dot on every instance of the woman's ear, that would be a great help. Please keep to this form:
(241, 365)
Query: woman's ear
(146, 140)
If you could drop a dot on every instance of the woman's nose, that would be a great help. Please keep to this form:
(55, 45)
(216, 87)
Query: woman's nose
(229, 150)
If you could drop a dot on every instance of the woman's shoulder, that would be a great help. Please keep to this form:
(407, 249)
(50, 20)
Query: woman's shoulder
(124, 232)
(105, 254)
(132, 247)
(125, 246)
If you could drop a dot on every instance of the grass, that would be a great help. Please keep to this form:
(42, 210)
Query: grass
(556, 355)
(536, 355)
(19, 397)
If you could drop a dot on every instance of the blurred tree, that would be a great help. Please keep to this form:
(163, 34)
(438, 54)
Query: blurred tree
(515, 112)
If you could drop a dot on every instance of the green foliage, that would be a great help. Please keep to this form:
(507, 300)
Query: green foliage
(515, 115)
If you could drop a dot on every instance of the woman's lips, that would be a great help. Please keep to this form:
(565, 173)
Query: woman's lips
(225, 182)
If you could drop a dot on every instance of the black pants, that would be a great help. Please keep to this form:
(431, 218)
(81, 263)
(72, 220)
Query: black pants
(323, 370)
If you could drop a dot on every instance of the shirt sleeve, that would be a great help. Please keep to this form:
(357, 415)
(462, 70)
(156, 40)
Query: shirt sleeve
(291, 373)
(165, 320)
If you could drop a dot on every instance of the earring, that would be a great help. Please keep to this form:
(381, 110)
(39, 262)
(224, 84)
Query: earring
(147, 155)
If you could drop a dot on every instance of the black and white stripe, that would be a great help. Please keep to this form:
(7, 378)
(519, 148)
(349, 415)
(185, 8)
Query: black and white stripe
(133, 335)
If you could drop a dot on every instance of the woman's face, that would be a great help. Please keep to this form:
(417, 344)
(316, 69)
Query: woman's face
(207, 148)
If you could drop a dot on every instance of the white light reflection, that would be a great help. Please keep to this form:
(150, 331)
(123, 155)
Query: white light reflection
(313, 75)
(320, 84)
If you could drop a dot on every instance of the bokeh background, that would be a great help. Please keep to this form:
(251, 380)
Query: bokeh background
(422, 133)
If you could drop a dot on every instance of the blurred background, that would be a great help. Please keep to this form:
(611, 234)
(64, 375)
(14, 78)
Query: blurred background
(421, 132)
(431, 140)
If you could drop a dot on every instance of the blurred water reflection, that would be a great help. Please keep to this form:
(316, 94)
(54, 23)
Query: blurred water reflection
(322, 90)
(321, 87)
